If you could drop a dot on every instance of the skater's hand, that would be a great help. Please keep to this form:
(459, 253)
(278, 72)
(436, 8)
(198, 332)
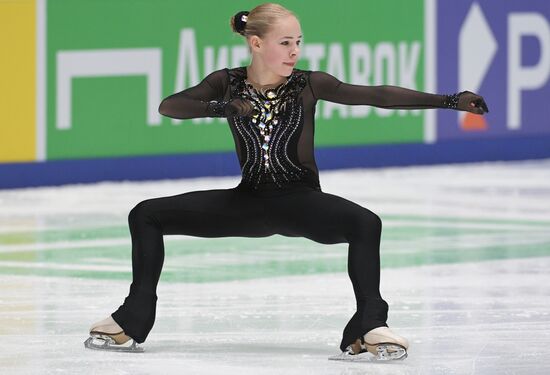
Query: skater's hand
(239, 107)
(468, 101)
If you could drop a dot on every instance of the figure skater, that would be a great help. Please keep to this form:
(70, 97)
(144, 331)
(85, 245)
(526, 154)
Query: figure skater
(270, 107)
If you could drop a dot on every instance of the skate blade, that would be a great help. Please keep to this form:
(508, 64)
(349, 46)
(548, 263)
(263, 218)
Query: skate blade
(384, 352)
(103, 342)
(387, 351)
(361, 357)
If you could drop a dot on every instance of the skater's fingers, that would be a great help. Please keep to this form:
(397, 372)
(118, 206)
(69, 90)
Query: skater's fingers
(484, 105)
(480, 105)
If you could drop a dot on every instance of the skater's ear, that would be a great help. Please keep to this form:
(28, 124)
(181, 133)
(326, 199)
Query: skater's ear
(255, 43)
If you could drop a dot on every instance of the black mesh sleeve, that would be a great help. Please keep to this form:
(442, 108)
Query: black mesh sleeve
(197, 101)
(327, 87)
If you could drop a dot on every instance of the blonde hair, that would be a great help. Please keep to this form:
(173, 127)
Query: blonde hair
(261, 19)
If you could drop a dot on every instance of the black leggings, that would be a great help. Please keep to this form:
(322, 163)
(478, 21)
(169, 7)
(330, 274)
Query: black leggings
(236, 212)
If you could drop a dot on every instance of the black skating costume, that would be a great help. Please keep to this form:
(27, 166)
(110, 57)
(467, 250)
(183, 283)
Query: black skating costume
(279, 192)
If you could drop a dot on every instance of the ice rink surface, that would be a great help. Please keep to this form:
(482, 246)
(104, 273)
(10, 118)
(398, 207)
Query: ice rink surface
(465, 269)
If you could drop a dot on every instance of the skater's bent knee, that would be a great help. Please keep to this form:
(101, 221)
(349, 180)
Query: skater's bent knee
(369, 219)
(375, 221)
(143, 211)
(367, 223)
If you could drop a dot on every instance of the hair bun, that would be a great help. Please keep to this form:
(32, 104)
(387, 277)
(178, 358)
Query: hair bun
(240, 21)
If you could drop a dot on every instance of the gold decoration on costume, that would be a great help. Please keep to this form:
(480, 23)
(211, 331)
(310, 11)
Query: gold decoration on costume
(268, 105)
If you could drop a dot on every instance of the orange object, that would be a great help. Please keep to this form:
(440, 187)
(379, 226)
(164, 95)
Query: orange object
(473, 122)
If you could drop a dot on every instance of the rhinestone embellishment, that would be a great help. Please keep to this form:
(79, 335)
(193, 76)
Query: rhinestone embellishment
(267, 105)
(268, 136)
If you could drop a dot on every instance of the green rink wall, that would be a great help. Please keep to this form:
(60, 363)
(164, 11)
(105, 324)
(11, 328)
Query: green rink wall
(114, 113)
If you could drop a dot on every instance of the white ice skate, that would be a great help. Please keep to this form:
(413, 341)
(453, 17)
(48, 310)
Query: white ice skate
(108, 335)
(379, 344)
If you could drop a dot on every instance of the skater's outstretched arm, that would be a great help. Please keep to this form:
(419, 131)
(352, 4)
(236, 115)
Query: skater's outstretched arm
(204, 100)
(327, 87)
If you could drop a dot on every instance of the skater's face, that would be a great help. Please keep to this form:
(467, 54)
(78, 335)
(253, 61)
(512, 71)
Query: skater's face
(279, 49)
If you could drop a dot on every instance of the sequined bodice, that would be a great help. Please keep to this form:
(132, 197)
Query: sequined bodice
(269, 105)
(275, 147)
(269, 138)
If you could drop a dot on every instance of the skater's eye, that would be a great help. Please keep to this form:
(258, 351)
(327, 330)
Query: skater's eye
(286, 42)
